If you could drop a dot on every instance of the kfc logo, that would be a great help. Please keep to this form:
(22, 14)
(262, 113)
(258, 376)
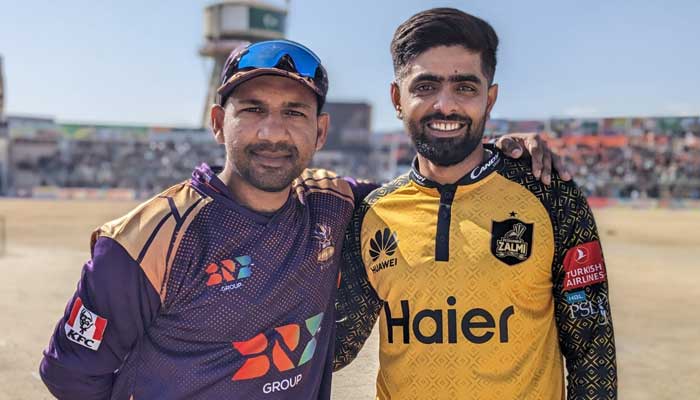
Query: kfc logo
(84, 327)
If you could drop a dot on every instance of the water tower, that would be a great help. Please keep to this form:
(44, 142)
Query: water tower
(226, 24)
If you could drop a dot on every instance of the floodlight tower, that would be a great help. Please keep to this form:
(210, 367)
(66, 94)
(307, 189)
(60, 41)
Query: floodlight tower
(227, 23)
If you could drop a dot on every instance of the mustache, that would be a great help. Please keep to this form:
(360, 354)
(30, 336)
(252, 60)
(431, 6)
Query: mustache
(452, 117)
(279, 147)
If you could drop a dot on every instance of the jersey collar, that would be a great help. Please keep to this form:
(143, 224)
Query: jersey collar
(491, 163)
(205, 179)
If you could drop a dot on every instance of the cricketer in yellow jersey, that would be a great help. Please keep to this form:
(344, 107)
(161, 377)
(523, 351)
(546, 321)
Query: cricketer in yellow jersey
(490, 281)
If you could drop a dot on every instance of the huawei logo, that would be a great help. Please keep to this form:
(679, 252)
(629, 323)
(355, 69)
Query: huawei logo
(384, 241)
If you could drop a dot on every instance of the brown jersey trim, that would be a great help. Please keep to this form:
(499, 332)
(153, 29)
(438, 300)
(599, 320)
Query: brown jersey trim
(151, 233)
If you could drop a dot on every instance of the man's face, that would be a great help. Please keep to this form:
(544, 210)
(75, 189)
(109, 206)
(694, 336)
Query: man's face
(271, 130)
(445, 99)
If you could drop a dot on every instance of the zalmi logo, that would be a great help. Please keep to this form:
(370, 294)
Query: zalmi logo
(384, 242)
(512, 243)
(511, 240)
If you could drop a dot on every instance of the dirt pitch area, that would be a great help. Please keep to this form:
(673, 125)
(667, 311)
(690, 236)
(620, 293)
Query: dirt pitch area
(653, 259)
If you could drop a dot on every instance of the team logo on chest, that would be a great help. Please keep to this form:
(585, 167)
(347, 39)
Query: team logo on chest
(511, 240)
(322, 234)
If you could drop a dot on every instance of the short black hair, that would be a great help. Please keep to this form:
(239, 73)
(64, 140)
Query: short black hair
(444, 27)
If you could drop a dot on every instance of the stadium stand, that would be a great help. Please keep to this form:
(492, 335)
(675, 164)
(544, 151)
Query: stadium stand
(646, 160)
(648, 166)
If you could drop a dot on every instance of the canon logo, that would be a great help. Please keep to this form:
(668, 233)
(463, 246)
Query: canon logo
(476, 173)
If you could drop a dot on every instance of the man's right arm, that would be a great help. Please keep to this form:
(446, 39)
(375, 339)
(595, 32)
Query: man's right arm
(110, 310)
(357, 305)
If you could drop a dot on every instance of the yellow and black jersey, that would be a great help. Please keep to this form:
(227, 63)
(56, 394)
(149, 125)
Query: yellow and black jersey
(480, 287)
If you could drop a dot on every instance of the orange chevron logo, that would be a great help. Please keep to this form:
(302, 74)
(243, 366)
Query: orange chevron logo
(229, 270)
(258, 364)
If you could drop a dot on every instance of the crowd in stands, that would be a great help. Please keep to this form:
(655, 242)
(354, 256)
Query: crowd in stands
(147, 167)
(644, 166)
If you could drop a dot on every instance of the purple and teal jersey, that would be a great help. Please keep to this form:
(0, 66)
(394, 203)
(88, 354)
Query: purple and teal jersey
(191, 295)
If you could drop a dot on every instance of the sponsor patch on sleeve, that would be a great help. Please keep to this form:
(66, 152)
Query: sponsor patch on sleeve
(595, 308)
(576, 297)
(584, 265)
(84, 327)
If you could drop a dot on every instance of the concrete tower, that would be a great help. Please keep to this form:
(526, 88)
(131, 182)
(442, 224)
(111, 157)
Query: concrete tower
(2, 94)
(4, 140)
(228, 23)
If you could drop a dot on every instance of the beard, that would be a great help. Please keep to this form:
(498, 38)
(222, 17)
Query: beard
(446, 152)
(268, 178)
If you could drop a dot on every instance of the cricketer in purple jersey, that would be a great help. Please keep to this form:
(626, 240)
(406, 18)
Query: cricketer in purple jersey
(223, 286)
(204, 298)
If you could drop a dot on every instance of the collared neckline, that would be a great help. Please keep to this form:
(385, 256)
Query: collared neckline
(491, 163)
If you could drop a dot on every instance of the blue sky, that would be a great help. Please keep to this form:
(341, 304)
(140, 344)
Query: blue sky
(136, 61)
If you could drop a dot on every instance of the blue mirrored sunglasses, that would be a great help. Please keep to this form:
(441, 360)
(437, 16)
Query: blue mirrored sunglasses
(269, 53)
